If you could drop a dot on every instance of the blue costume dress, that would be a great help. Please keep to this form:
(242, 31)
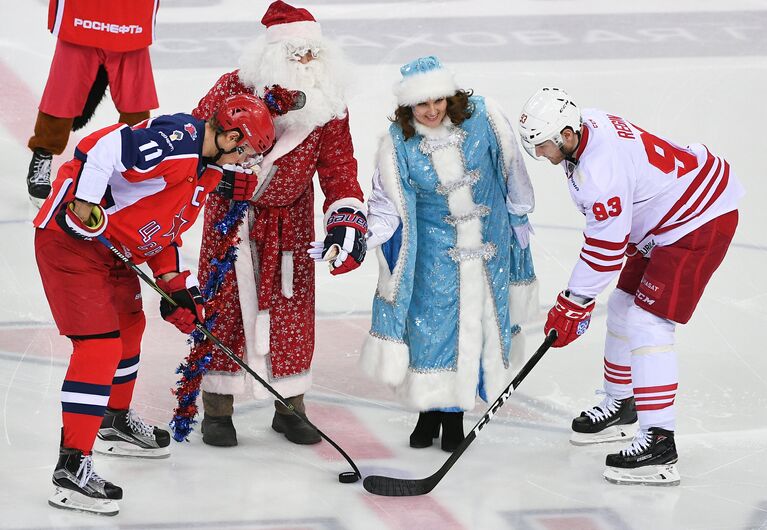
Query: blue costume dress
(454, 283)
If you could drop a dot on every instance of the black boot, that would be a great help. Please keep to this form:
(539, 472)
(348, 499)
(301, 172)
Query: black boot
(426, 429)
(217, 427)
(452, 430)
(293, 427)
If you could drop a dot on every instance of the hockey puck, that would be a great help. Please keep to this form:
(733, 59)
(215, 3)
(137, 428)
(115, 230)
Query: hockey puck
(348, 477)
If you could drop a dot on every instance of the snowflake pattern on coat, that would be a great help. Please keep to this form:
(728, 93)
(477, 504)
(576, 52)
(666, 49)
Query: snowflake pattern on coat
(281, 219)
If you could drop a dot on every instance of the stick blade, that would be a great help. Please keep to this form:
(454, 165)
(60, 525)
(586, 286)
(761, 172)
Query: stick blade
(396, 487)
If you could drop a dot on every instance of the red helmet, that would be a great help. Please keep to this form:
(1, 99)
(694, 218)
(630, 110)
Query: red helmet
(249, 115)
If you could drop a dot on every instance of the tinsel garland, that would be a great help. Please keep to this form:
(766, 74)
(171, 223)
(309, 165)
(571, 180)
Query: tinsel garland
(195, 366)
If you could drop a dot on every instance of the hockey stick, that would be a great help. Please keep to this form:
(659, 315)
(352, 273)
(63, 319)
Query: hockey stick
(347, 476)
(401, 487)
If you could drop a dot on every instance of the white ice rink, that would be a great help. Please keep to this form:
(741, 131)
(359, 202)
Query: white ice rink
(691, 70)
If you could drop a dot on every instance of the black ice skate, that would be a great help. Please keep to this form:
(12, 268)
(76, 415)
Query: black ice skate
(650, 459)
(39, 177)
(78, 487)
(124, 433)
(610, 421)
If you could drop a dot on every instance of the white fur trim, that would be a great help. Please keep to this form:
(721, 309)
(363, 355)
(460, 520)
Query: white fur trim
(262, 328)
(346, 202)
(306, 29)
(516, 355)
(224, 382)
(385, 360)
(417, 88)
(523, 302)
(388, 284)
(286, 273)
(246, 287)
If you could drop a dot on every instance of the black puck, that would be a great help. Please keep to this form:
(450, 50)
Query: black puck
(348, 477)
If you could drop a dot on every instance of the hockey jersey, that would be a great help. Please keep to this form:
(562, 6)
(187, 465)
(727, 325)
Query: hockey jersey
(116, 25)
(150, 179)
(638, 190)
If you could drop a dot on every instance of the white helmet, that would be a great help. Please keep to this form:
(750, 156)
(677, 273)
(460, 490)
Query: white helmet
(545, 115)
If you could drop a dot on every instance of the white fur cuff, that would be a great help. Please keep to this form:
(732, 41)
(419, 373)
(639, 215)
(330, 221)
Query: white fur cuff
(385, 360)
(523, 302)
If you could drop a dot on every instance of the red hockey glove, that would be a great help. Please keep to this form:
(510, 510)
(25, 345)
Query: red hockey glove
(345, 243)
(237, 183)
(186, 293)
(569, 318)
(72, 225)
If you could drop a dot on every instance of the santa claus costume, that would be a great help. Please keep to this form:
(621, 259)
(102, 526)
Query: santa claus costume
(265, 311)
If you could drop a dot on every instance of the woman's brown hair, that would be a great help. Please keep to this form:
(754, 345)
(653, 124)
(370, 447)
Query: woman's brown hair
(458, 109)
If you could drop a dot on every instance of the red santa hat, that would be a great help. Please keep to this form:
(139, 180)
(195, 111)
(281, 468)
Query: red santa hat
(283, 21)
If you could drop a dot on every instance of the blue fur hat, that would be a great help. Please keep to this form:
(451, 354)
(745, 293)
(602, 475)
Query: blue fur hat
(422, 79)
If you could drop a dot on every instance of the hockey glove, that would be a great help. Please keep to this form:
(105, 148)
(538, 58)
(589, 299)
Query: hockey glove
(570, 317)
(86, 230)
(237, 183)
(188, 309)
(345, 243)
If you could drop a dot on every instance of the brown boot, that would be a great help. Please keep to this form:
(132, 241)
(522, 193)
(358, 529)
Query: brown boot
(132, 118)
(293, 427)
(217, 427)
(51, 133)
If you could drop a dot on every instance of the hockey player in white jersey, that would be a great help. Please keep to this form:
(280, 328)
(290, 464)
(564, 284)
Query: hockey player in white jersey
(672, 211)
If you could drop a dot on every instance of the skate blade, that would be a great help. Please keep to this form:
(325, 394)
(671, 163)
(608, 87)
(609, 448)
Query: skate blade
(663, 475)
(616, 433)
(128, 449)
(65, 499)
(37, 203)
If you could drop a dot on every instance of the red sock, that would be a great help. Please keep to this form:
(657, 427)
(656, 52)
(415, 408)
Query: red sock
(131, 330)
(85, 392)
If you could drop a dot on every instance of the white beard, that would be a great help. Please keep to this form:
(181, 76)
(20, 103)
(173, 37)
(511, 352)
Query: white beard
(323, 80)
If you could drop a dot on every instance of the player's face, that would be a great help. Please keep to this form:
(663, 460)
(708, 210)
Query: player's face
(241, 155)
(550, 151)
(431, 112)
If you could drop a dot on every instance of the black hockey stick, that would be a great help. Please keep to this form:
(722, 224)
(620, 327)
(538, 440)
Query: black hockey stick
(402, 487)
(347, 476)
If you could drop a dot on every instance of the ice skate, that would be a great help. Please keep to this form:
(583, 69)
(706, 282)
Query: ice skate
(79, 488)
(650, 460)
(39, 177)
(124, 433)
(612, 420)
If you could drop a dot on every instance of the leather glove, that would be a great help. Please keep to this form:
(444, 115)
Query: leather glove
(86, 230)
(237, 183)
(344, 246)
(570, 317)
(184, 290)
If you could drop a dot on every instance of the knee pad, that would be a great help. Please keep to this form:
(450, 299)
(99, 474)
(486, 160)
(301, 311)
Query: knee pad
(648, 332)
(132, 327)
(617, 309)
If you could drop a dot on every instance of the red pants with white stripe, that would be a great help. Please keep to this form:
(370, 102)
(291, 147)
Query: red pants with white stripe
(96, 302)
(654, 294)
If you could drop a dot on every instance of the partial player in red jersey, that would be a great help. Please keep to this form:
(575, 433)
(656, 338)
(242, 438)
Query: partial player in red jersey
(98, 44)
(141, 188)
(673, 211)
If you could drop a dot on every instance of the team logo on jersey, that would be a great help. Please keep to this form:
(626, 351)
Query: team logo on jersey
(176, 136)
(178, 222)
(192, 130)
